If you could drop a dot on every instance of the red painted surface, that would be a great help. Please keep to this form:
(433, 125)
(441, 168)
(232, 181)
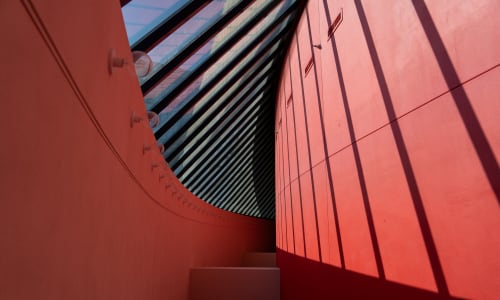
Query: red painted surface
(84, 213)
(245, 283)
(397, 123)
(315, 280)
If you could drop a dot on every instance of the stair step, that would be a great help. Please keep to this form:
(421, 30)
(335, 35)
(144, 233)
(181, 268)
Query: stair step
(243, 283)
(259, 259)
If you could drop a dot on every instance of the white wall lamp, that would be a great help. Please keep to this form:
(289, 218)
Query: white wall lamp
(143, 64)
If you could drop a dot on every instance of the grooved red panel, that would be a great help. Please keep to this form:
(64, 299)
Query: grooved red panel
(290, 220)
(298, 224)
(402, 247)
(326, 218)
(354, 231)
(300, 121)
(310, 231)
(294, 145)
(315, 133)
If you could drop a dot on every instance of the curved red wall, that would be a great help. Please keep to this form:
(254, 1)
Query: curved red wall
(85, 213)
(387, 151)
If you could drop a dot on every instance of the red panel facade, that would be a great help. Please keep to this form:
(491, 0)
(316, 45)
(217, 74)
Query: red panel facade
(393, 123)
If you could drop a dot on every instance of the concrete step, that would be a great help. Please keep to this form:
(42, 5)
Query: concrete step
(242, 283)
(259, 259)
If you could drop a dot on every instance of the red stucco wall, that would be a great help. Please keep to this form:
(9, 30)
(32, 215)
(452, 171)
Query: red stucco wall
(387, 151)
(84, 213)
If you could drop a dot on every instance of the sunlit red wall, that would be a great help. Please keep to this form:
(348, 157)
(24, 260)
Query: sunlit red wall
(387, 146)
(85, 212)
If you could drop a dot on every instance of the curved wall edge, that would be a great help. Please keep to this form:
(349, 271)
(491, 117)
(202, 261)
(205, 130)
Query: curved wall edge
(84, 212)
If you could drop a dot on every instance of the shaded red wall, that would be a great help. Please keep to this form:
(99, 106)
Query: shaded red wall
(85, 213)
(387, 150)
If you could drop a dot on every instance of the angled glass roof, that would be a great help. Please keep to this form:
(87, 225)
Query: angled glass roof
(216, 65)
(142, 16)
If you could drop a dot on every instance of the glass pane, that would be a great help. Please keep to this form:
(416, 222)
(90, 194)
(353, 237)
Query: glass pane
(169, 82)
(245, 40)
(215, 113)
(188, 32)
(261, 83)
(201, 157)
(142, 16)
(234, 71)
(182, 99)
(236, 115)
(172, 80)
(200, 82)
(243, 105)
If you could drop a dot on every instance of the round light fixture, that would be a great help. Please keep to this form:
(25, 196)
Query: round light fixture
(142, 63)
